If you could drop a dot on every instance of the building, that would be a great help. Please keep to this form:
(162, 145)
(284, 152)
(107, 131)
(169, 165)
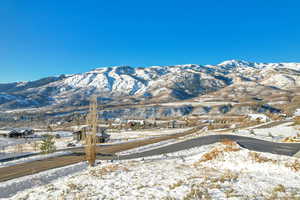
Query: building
(101, 136)
(20, 133)
(297, 112)
(259, 117)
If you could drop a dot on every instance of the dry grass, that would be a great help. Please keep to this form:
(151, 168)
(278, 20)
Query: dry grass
(291, 139)
(211, 155)
(297, 120)
(257, 157)
(213, 180)
(73, 186)
(228, 142)
(175, 185)
(274, 193)
(197, 192)
(227, 176)
(295, 166)
(107, 170)
(218, 126)
(230, 146)
(279, 188)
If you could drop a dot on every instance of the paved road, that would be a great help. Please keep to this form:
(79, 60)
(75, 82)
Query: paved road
(289, 149)
(7, 173)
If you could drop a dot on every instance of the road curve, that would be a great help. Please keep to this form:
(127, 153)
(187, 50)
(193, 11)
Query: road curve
(289, 149)
(253, 144)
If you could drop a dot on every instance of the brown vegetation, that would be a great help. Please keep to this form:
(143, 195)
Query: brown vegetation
(297, 120)
(231, 146)
(295, 166)
(107, 170)
(291, 139)
(257, 157)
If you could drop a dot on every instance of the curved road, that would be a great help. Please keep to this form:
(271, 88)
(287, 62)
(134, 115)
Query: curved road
(289, 149)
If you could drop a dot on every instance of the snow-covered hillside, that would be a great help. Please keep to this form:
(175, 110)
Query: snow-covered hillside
(157, 83)
(217, 171)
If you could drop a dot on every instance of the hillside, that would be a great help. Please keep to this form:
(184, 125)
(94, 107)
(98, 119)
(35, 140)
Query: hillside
(156, 84)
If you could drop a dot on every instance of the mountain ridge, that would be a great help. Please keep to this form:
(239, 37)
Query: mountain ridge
(155, 83)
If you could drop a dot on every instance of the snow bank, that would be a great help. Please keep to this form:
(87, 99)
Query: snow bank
(10, 188)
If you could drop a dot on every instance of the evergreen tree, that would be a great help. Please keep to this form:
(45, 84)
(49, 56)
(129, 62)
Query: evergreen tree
(47, 145)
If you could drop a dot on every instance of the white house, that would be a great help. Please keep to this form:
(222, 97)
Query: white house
(297, 112)
(141, 122)
(261, 117)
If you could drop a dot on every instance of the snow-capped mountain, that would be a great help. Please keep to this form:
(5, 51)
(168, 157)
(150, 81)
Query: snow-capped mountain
(153, 84)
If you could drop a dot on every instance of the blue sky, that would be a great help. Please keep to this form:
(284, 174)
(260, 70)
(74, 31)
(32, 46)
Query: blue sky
(52, 37)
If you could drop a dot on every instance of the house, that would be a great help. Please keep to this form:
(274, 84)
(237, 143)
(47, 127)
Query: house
(20, 133)
(297, 112)
(177, 124)
(134, 121)
(258, 117)
(101, 135)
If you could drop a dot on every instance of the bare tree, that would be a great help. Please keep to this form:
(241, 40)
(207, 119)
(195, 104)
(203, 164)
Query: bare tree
(90, 140)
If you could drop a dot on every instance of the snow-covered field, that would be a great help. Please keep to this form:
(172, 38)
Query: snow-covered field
(218, 171)
(196, 103)
(275, 134)
(9, 144)
(144, 133)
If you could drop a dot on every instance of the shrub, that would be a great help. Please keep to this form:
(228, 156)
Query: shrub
(47, 145)
(257, 157)
(295, 166)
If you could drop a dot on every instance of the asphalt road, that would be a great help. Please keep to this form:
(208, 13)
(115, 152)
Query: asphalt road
(289, 149)
(19, 170)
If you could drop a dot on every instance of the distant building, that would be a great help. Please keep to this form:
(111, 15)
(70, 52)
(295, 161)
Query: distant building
(134, 121)
(259, 117)
(297, 112)
(20, 133)
(177, 124)
(101, 136)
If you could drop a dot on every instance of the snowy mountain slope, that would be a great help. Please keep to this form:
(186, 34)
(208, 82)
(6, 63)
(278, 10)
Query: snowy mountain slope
(156, 83)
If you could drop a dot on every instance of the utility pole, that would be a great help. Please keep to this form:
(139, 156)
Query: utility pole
(90, 140)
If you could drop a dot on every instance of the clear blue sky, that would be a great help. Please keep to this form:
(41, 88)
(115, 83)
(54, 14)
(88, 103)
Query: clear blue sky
(50, 37)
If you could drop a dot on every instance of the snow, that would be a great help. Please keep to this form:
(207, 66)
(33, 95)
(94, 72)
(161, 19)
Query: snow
(144, 133)
(10, 145)
(196, 103)
(297, 112)
(162, 81)
(11, 187)
(228, 175)
(4, 142)
(275, 133)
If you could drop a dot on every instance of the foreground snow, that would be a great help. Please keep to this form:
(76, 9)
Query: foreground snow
(218, 171)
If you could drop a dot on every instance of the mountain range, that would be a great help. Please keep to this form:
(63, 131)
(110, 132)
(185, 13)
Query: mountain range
(235, 80)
